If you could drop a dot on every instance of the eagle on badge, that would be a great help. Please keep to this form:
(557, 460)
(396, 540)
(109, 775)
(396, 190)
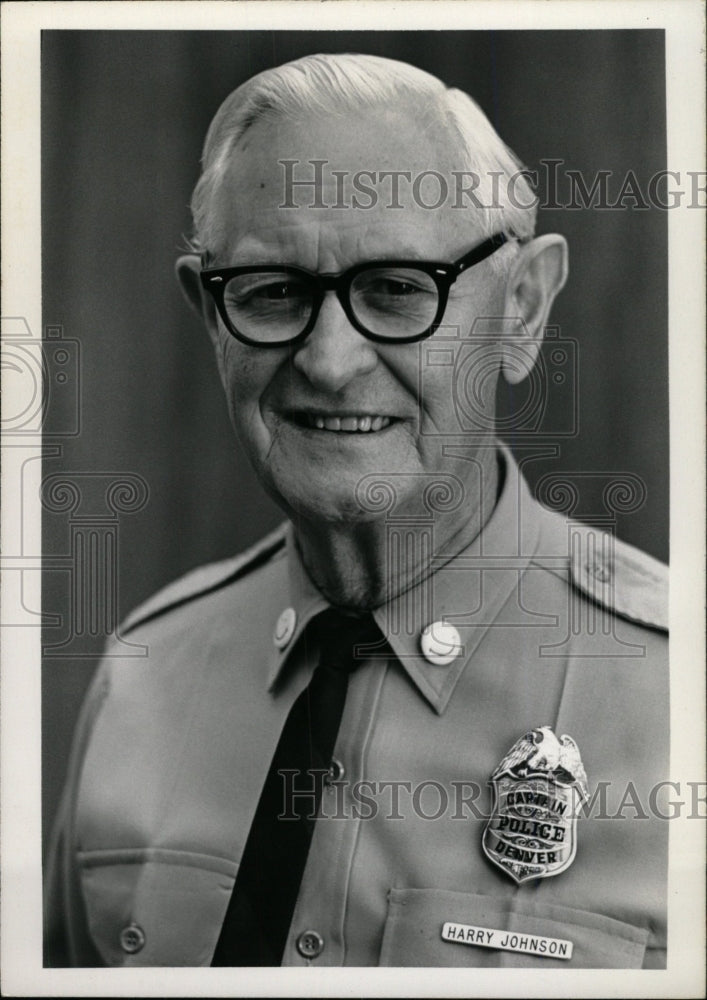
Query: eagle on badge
(540, 752)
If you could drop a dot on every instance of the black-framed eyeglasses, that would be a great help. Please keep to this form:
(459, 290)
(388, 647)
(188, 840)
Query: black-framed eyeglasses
(389, 301)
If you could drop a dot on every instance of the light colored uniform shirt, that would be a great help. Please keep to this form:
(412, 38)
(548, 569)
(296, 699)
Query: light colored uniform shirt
(559, 624)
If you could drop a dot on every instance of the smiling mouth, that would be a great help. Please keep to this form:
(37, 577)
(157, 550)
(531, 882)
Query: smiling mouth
(345, 424)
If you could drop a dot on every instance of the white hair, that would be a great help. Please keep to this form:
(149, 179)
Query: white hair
(336, 85)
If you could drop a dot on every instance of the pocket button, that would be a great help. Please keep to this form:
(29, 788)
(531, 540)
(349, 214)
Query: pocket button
(132, 939)
(310, 944)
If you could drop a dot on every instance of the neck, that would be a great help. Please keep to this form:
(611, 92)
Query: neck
(351, 562)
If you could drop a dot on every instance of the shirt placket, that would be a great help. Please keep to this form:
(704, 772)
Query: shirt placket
(317, 930)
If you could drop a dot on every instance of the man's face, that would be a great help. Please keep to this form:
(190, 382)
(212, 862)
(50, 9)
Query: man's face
(381, 413)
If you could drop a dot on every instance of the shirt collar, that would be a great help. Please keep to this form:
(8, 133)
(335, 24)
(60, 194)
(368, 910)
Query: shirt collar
(467, 590)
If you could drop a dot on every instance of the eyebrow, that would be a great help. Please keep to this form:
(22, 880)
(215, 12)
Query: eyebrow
(404, 252)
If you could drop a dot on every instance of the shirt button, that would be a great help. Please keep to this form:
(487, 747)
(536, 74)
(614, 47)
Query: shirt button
(285, 627)
(335, 773)
(440, 643)
(310, 944)
(132, 939)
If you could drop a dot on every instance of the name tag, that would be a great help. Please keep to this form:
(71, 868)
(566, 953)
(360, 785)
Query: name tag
(489, 937)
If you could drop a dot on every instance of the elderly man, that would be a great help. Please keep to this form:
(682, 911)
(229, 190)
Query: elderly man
(402, 729)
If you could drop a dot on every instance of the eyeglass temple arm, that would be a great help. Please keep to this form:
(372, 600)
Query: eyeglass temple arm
(481, 252)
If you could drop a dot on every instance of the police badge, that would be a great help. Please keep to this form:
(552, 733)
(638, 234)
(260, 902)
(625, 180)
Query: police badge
(539, 787)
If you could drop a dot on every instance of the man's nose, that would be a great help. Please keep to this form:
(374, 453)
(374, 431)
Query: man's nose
(334, 353)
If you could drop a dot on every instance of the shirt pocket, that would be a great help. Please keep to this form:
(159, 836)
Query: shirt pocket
(413, 932)
(153, 907)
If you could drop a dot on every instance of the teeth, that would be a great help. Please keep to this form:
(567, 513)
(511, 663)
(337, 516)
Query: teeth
(361, 425)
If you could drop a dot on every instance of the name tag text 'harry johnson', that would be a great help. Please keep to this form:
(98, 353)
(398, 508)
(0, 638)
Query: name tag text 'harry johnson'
(487, 937)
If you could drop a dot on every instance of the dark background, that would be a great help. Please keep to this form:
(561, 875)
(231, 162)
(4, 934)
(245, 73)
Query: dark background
(123, 118)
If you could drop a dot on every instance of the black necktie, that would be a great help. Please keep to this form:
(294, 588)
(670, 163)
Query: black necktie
(260, 911)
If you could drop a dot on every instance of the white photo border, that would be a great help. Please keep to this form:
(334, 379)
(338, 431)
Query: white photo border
(683, 22)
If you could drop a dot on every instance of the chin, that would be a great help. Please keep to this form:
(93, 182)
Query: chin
(323, 502)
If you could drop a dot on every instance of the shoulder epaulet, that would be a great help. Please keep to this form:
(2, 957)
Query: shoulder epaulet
(206, 579)
(619, 576)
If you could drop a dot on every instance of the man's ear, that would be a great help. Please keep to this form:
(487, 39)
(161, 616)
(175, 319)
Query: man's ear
(187, 269)
(537, 275)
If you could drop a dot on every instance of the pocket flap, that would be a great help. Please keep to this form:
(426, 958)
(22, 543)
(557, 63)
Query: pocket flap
(155, 908)
(413, 933)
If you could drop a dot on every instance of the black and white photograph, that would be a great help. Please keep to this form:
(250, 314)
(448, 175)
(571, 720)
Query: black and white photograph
(354, 423)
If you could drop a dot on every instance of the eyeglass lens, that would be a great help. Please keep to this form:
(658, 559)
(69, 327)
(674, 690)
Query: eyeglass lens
(276, 305)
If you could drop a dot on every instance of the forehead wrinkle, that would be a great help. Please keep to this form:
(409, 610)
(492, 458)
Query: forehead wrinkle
(289, 243)
(340, 242)
(253, 228)
(254, 175)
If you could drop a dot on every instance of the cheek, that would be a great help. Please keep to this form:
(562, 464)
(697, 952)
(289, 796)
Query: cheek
(245, 375)
(469, 313)
(467, 380)
(458, 386)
